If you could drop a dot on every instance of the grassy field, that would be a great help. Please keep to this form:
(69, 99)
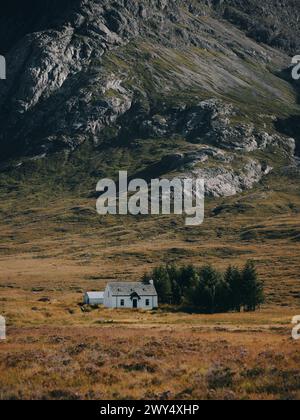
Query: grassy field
(56, 351)
(54, 247)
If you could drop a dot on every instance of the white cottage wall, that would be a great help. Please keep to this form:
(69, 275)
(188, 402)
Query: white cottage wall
(126, 302)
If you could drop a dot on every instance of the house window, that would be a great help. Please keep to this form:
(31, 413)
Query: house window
(122, 302)
(147, 302)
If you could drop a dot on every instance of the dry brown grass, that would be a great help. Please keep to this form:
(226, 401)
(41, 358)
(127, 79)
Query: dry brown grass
(51, 249)
(116, 355)
(59, 249)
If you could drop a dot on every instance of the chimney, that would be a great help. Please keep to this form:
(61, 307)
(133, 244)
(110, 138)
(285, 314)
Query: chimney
(151, 282)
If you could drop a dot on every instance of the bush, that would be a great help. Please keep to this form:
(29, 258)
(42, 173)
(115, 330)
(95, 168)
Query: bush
(220, 377)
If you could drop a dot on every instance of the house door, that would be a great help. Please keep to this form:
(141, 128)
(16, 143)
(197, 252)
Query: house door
(135, 303)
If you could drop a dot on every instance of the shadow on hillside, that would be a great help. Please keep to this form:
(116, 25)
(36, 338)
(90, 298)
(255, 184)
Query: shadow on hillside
(290, 126)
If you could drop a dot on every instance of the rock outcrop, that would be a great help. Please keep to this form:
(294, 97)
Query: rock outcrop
(113, 74)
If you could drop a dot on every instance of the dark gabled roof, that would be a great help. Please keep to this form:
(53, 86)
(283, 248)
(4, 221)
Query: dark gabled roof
(127, 289)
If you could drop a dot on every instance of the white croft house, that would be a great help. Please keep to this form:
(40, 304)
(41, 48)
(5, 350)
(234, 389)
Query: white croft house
(123, 295)
(94, 298)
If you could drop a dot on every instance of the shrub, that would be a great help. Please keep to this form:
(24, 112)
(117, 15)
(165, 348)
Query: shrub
(220, 377)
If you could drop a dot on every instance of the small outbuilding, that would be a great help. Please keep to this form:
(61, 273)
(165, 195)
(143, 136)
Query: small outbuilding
(94, 298)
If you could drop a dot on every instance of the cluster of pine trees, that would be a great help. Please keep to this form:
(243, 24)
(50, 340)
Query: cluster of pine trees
(207, 289)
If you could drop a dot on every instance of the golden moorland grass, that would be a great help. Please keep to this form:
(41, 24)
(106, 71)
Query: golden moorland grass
(51, 252)
(107, 354)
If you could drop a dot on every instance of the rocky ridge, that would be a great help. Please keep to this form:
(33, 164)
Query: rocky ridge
(120, 74)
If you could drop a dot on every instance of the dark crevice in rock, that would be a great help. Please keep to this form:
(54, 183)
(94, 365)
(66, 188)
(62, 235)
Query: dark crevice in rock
(290, 127)
(19, 17)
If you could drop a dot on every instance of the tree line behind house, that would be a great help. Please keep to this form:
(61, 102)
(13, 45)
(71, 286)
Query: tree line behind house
(208, 290)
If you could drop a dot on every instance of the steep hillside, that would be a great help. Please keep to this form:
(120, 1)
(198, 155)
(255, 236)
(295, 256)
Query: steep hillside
(184, 86)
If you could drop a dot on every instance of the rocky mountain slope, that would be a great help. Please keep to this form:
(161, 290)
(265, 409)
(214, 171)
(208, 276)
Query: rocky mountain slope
(159, 86)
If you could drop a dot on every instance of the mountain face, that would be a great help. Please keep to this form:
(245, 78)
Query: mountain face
(201, 88)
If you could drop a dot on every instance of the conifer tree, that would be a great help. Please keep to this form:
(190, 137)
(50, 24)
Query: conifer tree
(252, 290)
(163, 284)
(207, 294)
(234, 279)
